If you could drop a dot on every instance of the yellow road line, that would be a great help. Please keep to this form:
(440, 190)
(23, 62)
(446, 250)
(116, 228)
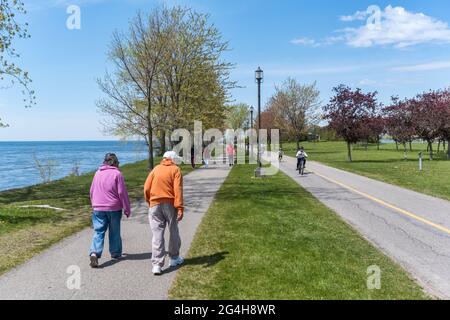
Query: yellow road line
(388, 205)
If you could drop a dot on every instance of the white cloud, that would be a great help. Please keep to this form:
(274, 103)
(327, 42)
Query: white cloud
(304, 41)
(393, 26)
(367, 83)
(400, 28)
(431, 66)
(307, 42)
(359, 15)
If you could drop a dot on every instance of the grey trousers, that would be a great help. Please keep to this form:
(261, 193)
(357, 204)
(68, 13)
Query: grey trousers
(160, 216)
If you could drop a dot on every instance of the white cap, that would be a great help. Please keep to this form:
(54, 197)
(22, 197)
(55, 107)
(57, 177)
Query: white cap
(170, 155)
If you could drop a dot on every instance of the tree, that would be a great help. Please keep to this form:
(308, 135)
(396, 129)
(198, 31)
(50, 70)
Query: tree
(196, 79)
(349, 112)
(426, 116)
(377, 127)
(295, 107)
(10, 30)
(137, 58)
(267, 120)
(237, 115)
(168, 73)
(399, 122)
(443, 111)
(372, 130)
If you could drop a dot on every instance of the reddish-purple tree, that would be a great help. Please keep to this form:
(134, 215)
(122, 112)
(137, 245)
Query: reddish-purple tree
(377, 127)
(425, 116)
(443, 112)
(348, 112)
(398, 121)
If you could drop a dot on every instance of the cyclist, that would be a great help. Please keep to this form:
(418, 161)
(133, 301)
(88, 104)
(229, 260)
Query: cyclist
(280, 154)
(301, 156)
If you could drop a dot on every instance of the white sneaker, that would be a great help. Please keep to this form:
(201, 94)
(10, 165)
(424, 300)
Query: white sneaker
(176, 262)
(157, 270)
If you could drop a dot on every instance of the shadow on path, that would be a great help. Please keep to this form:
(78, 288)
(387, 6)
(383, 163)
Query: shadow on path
(125, 257)
(206, 261)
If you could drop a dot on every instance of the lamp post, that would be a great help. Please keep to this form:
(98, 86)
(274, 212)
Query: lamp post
(259, 77)
(250, 142)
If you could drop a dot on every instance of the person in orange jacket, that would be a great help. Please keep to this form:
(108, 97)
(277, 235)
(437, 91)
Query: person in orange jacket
(163, 191)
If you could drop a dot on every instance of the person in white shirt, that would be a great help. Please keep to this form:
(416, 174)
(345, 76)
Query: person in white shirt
(301, 156)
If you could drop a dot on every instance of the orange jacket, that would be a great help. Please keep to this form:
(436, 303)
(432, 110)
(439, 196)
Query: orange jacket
(164, 185)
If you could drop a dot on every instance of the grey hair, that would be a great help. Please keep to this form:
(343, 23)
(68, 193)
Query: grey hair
(111, 160)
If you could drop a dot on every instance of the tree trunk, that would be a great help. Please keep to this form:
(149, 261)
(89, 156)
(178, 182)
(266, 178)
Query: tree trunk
(410, 146)
(349, 149)
(298, 143)
(439, 146)
(396, 145)
(150, 137)
(163, 143)
(378, 143)
(430, 148)
(448, 150)
(281, 139)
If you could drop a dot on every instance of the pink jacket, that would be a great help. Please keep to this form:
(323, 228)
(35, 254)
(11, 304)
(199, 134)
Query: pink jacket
(230, 150)
(109, 192)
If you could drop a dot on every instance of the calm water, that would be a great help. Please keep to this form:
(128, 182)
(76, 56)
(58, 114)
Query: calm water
(18, 168)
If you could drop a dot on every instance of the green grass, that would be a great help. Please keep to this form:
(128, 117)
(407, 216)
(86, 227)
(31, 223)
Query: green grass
(386, 164)
(25, 232)
(270, 239)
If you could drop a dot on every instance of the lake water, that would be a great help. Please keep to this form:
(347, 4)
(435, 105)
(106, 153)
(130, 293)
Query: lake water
(18, 167)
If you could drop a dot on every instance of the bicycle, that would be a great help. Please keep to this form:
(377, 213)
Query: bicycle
(301, 166)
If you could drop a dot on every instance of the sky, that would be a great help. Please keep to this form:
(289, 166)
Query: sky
(399, 48)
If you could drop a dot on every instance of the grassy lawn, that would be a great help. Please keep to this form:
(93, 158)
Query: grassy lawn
(386, 164)
(27, 231)
(270, 239)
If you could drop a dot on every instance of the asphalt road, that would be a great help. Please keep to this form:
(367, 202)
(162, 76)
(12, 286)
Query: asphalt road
(410, 227)
(54, 273)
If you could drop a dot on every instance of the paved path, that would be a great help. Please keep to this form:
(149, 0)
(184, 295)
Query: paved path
(410, 227)
(45, 276)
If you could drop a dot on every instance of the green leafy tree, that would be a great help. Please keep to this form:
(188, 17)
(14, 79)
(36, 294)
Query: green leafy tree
(237, 115)
(10, 30)
(168, 73)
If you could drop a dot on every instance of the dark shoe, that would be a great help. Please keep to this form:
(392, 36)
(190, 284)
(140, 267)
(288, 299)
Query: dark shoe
(94, 261)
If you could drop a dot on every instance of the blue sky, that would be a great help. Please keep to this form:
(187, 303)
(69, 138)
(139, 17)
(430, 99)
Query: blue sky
(406, 52)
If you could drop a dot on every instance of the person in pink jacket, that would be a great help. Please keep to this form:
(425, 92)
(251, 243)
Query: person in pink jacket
(109, 198)
(230, 154)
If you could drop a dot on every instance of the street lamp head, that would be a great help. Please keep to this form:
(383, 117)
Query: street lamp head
(251, 109)
(259, 75)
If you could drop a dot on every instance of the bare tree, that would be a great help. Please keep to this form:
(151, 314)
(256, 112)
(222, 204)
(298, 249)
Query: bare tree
(137, 57)
(295, 107)
(76, 169)
(46, 169)
(168, 73)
